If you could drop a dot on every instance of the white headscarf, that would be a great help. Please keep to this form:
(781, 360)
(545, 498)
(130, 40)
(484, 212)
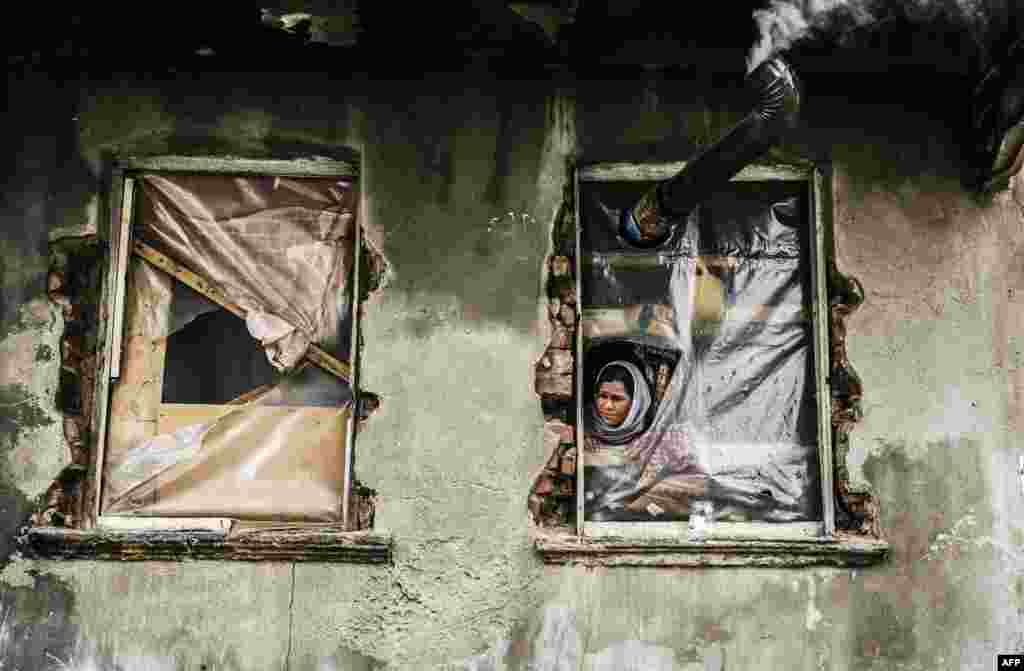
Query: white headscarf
(633, 425)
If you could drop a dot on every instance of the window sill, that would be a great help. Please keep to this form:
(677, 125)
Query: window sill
(295, 543)
(839, 550)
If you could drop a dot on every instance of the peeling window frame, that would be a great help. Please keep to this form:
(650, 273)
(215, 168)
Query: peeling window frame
(736, 543)
(122, 537)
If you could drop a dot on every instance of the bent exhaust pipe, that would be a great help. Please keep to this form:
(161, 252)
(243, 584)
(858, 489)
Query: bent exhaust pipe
(650, 222)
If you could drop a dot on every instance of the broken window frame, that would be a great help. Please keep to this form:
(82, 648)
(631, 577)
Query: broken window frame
(122, 537)
(724, 543)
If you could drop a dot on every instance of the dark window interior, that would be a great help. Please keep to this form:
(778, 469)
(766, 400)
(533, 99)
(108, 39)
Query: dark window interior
(213, 359)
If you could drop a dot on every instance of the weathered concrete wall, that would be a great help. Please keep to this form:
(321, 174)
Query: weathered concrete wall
(463, 176)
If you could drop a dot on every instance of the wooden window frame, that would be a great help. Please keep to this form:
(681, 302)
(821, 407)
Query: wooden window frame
(141, 538)
(723, 543)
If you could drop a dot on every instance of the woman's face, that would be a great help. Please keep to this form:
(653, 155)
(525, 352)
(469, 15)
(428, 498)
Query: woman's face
(613, 402)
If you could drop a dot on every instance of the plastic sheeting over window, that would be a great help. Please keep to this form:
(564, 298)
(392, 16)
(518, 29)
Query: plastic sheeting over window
(270, 243)
(724, 304)
(201, 425)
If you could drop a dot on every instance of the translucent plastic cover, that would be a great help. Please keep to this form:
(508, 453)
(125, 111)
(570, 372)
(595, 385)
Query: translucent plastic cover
(272, 244)
(708, 337)
(216, 416)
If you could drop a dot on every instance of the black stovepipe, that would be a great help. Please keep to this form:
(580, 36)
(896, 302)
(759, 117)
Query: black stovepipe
(650, 221)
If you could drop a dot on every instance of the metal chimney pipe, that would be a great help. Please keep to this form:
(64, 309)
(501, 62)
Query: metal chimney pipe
(650, 222)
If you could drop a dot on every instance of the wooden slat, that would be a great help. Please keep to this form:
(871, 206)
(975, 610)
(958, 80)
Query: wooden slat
(259, 391)
(226, 165)
(340, 369)
(822, 351)
(578, 372)
(187, 277)
(314, 354)
(351, 424)
(101, 398)
(120, 264)
(628, 172)
(253, 394)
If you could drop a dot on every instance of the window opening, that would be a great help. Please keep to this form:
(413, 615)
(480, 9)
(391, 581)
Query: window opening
(234, 394)
(714, 334)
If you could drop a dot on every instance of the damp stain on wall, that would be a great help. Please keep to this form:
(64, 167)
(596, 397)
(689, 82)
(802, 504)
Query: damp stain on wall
(37, 625)
(20, 412)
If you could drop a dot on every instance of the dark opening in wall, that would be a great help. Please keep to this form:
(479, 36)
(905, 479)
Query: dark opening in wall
(214, 360)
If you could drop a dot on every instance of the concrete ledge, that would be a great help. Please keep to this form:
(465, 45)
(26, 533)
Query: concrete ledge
(609, 551)
(294, 543)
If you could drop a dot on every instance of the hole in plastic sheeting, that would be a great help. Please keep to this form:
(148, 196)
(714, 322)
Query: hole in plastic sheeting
(214, 360)
(655, 361)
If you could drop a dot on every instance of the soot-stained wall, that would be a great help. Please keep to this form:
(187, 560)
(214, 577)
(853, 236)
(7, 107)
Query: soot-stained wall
(463, 176)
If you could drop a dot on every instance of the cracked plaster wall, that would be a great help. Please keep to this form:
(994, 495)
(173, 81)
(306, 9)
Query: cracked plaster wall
(462, 178)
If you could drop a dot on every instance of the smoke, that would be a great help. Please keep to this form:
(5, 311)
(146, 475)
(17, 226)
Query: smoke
(785, 23)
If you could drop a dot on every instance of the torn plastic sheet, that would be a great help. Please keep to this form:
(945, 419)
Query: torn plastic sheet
(179, 445)
(729, 294)
(254, 462)
(273, 245)
(277, 456)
